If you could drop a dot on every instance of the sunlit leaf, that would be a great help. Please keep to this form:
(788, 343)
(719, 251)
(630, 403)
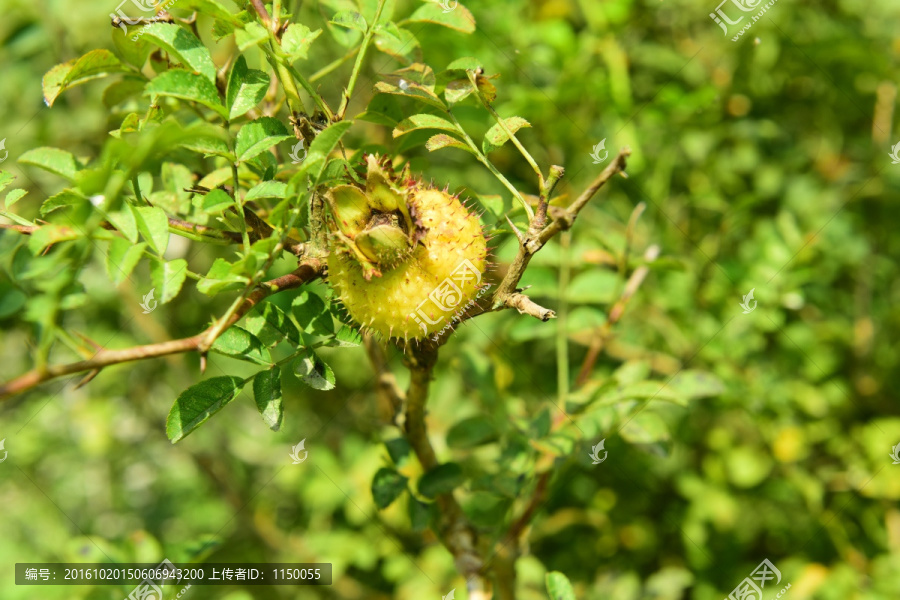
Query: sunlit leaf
(198, 403)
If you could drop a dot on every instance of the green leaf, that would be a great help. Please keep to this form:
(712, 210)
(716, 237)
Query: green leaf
(297, 39)
(321, 147)
(387, 485)
(54, 160)
(696, 384)
(410, 90)
(279, 320)
(222, 276)
(398, 449)
(5, 179)
(258, 136)
(237, 342)
(441, 480)
(267, 393)
(198, 403)
(215, 201)
(246, 88)
(133, 51)
(14, 196)
(314, 372)
(153, 224)
(212, 8)
(122, 258)
(558, 586)
(267, 189)
(48, 235)
(168, 277)
(645, 428)
(125, 222)
(459, 18)
(185, 85)
(351, 20)
(423, 121)
(67, 197)
(183, 47)
(419, 514)
(94, 64)
(398, 43)
(312, 314)
(346, 337)
(496, 136)
(442, 140)
(471, 432)
(250, 35)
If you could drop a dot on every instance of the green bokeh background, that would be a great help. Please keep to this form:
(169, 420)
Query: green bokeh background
(763, 164)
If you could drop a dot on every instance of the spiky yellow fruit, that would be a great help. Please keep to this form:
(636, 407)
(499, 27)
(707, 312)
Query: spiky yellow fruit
(405, 259)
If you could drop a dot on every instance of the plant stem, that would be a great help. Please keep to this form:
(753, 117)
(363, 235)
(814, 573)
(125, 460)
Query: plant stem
(484, 160)
(333, 65)
(562, 334)
(240, 207)
(357, 66)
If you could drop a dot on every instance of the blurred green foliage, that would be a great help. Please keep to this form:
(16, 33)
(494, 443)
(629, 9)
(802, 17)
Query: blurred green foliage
(763, 165)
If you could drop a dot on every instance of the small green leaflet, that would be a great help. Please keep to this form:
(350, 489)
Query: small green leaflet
(54, 160)
(153, 224)
(442, 140)
(423, 121)
(246, 88)
(350, 20)
(122, 258)
(258, 136)
(198, 403)
(314, 372)
(237, 342)
(297, 39)
(185, 85)
(94, 64)
(267, 393)
(250, 35)
(558, 586)
(168, 277)
(441, 480)
(496, 136)
(387, 485)
(459, 18)
(183, 47)
(215, 201)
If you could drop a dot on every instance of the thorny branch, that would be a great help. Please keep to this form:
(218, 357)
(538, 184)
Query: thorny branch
(309, 270)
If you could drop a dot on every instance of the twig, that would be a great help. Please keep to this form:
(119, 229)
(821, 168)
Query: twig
(357, 66)
(388, 388)
(309, 270)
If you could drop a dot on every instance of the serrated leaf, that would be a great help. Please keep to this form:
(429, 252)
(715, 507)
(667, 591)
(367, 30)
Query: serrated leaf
(183, 47)
(212, 8)
(54, 160)
(312, 315)
(297, 39)
(251, 34)
(14, 196)
(67, 197)
(94, 64)
(267, 393)
(442, 140)
(215, 201)
(279, 320)
(321, 147)
(50, 234)
(397, 43)
(133, 51)
(387, 485)
(237, 342)
(267, 189)
(185, 85)
(168, 277)
(410, 90)
(122, 258)
(558, 586)
(313, 371)
(125, 222)
(496, 136)
(351, 20)
(246, 88)
(220, 278)
(459, 18)
(442, 479)
(5, 179)
(346, 337)
(153, 224)
(258, 136)
(423, 121)
(198, 403)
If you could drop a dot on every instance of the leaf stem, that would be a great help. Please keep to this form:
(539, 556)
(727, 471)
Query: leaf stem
(354, 75)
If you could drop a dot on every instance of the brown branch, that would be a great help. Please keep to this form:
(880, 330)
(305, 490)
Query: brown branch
(309, 270)
(260, 9)
(453, 529)
(387, 386)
